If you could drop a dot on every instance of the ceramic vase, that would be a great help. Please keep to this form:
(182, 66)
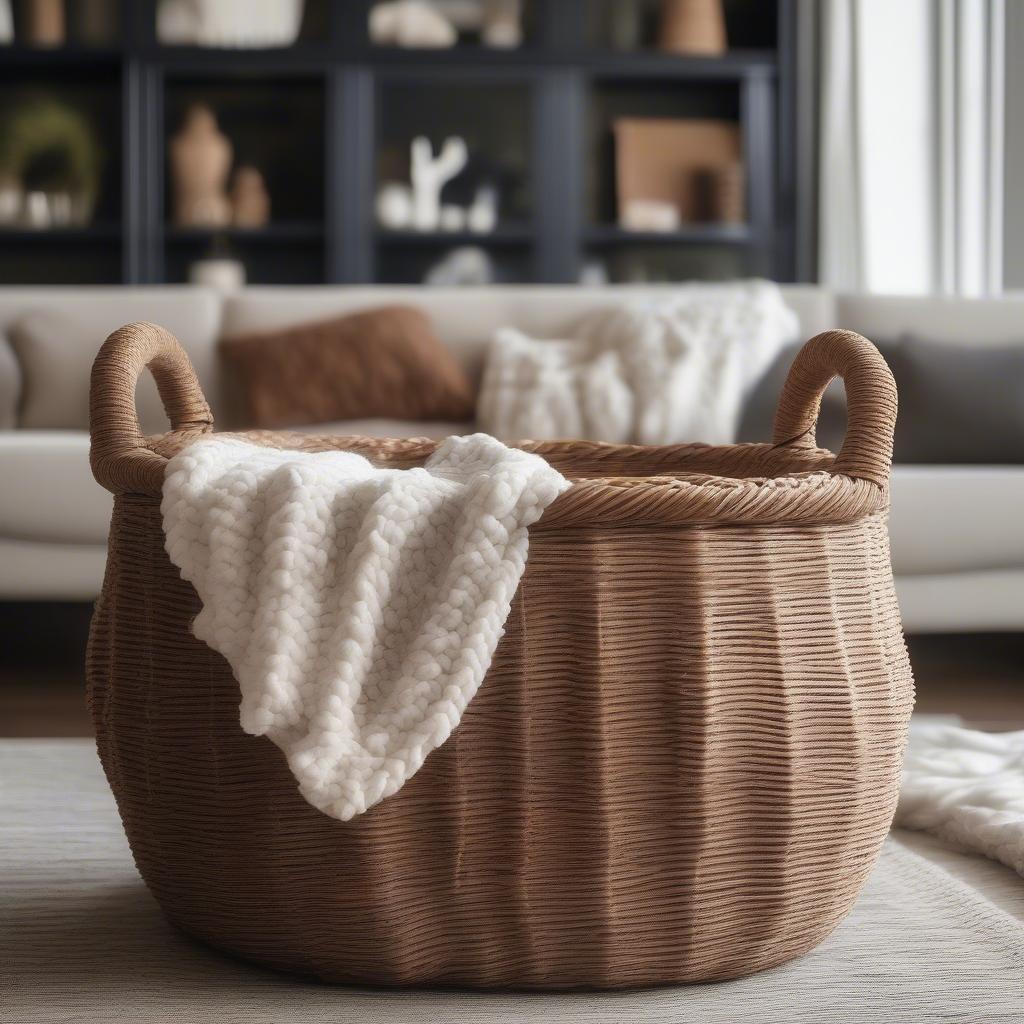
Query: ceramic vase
(44, 22)
(250, 203)
(695, 27)
(724, 189)
(226, 275)
(95, 21)
(200, 160)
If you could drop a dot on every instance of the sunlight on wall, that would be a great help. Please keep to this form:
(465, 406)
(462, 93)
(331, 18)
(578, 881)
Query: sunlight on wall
(895, 110)
(912, 137)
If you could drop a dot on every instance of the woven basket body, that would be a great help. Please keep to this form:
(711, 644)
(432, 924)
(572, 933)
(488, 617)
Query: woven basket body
(679, 767)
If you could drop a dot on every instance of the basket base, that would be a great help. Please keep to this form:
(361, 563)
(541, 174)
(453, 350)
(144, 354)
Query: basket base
(560, 975)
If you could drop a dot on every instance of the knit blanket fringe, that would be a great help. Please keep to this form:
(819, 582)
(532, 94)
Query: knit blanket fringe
(967, 788)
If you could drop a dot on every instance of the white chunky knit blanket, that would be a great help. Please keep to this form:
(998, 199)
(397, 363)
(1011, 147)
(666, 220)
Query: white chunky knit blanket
(358, 607)
(647, 371)
(966, 787)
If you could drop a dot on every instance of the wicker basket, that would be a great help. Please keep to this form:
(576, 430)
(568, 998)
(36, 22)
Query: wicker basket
(680, 766)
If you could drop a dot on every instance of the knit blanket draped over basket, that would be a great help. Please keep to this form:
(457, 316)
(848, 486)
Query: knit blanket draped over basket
(653, 372)
(358, 607)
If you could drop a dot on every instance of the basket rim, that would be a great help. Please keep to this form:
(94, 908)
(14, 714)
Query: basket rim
(790, 481)
(798, 486)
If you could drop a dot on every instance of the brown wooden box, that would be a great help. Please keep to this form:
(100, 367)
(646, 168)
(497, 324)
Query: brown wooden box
(667, 159)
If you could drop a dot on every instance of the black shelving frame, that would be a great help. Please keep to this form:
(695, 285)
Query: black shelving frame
(558, 67)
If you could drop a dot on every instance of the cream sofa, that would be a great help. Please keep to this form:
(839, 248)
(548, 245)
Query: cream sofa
(957, 531)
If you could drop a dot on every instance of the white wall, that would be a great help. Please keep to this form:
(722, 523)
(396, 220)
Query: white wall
(896, 110)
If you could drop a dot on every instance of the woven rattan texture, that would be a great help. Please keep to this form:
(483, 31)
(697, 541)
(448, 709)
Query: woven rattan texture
(680, 766)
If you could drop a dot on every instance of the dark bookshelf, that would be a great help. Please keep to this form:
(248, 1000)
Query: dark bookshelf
(328, 117)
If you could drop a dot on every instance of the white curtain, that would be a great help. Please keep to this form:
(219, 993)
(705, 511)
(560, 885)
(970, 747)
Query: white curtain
(911, 145)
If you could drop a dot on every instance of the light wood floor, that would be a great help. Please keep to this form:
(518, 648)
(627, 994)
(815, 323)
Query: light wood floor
(42, 693)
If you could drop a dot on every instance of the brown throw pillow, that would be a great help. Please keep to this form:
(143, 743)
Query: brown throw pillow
(381, 362)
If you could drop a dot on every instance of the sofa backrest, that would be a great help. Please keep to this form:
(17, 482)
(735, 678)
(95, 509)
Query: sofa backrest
(465, 319)
(991, 321)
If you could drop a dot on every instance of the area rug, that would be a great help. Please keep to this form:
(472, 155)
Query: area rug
(81, 940)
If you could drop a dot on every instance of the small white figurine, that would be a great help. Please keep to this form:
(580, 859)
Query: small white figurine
(429, 176)
(503, 24)
(61, 210)
(497, 22)
(229, 23)
(394, 206)
(412, 24)
(593, 274)
(37, 210)
(649, 215)
(482, 216)
(12, 196)
(465, 266)
(453, 218)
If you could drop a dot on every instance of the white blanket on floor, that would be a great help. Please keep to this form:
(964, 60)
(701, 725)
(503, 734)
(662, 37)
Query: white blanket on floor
(658, 371)
(967, 788)
(358, 607)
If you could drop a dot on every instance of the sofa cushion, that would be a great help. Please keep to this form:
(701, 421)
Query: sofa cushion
(959, 404)
(944, 519)
(379, 362)
(56, 355)
(942, 319)
(947, 519)
(192, 314)
(49, 494)
(10, 385)
(48, 491)
(34, 571)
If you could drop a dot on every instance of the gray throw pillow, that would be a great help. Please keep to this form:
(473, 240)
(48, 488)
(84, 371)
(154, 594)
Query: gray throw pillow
(10, 386)
(959, 403)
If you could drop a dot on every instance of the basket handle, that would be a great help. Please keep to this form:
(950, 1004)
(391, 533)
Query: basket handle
(870, 395)
(119, 454)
